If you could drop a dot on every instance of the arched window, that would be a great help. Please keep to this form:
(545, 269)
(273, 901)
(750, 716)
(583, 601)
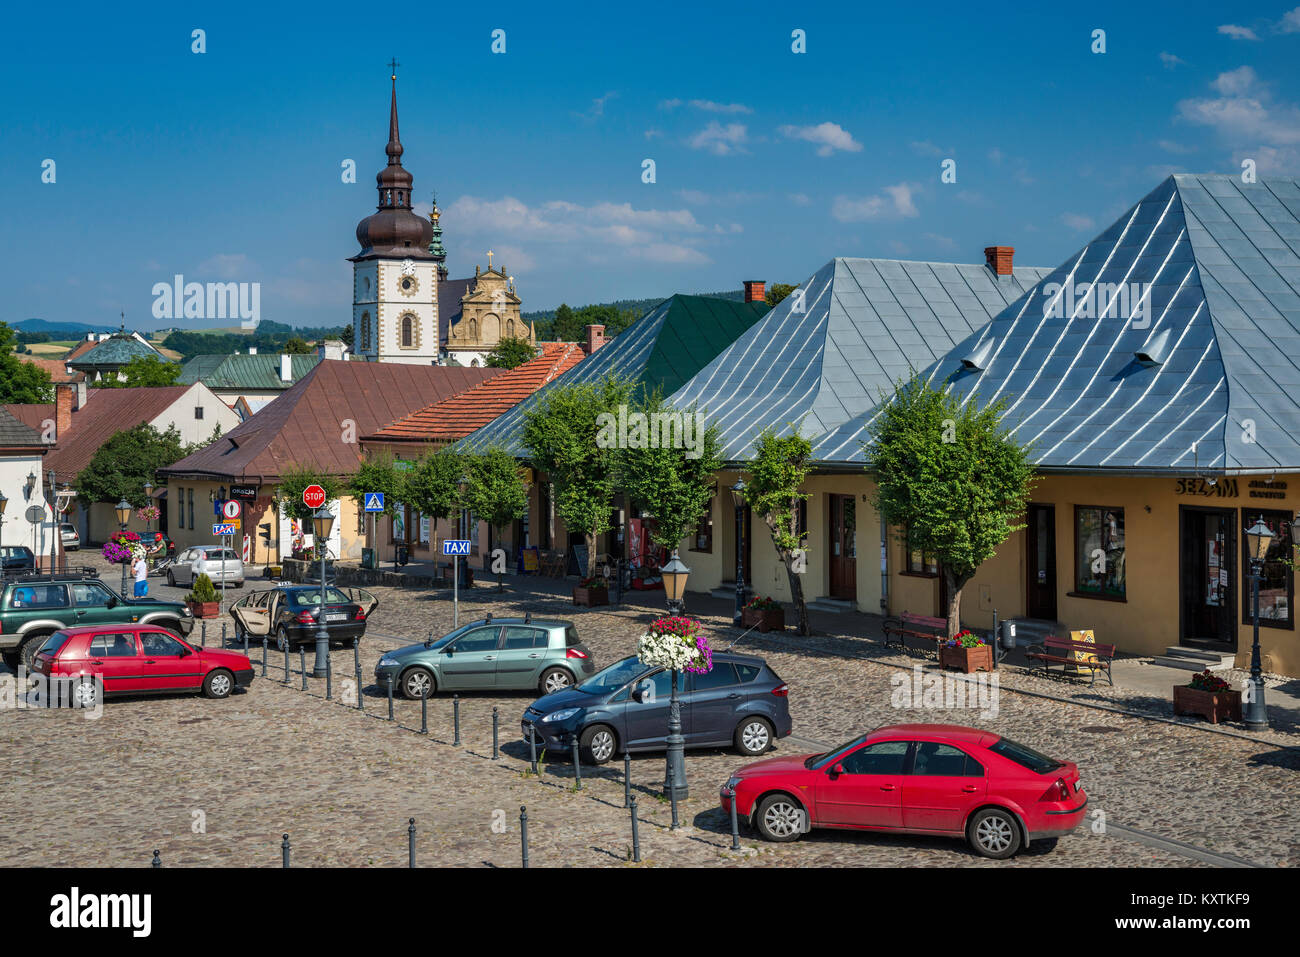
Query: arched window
(408, 332)
(364, 339)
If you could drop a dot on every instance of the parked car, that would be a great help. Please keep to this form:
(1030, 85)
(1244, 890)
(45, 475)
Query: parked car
(916, 779)
(16, 560)
(740, 702)
(138, 659)
(218, 563)
(543, 654)
(33, 608)
(68, 535)
(288, 614)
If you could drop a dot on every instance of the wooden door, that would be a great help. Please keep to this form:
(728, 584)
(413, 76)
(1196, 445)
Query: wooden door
(843, 547)
(1040, 562)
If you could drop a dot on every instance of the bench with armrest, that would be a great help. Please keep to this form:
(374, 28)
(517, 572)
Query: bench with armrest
(920, 627)
(1067, 652)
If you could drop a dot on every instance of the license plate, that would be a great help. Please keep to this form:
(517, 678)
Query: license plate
(339, 617)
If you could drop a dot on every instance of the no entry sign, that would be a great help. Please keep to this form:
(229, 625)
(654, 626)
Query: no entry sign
(313, 496)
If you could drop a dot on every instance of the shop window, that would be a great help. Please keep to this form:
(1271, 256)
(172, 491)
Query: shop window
(1276, 578)
(703, 540)
(1099, 553)
(917, 562)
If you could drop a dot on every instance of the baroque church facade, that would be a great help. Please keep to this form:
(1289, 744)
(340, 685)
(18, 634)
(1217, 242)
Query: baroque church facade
(404, 308)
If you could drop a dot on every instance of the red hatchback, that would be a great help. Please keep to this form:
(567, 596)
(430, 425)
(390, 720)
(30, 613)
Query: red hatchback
(939, 779)
(139, 659)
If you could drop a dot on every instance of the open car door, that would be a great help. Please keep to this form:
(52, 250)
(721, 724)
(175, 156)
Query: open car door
(367, 601)
(253, 613)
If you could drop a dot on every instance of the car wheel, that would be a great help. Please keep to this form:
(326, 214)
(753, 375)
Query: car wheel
(753, 737)
(994, 833)
(349, 642)
(218, 684)
(27, 651)
(555, 679)
(281, 639)
(780, 818)
(85, 692)
(418, 683)
(598, 743)
(171, 578)
(10, 659)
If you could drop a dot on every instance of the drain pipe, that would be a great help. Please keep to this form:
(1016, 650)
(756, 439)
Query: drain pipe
(884, 566)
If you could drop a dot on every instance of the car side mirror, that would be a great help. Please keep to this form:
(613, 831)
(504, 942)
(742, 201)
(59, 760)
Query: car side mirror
(185, 652)
(112, 601)
(638, 695)
(837, 769)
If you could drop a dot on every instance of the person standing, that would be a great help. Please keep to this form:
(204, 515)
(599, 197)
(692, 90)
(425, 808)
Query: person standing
(141, 569)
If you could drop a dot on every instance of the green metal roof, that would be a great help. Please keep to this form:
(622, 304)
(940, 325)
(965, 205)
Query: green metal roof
(260, 371)
(116, 350)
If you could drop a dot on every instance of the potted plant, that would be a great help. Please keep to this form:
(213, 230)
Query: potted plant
(1209, 696)
(967, 652)
(766, 612)
(203, 601)
(591, 591)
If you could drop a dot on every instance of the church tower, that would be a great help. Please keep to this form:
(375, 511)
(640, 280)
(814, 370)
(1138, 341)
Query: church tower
(395, 276)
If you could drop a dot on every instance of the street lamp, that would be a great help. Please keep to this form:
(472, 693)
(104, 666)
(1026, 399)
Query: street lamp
(738, 498)
(148, 502)
(123, 518)
(30, 486)
(1258, 539)
(674, 576)
(322, 524)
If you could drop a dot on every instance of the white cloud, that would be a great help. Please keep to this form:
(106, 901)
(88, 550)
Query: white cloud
(1077, 221)
(651, 134)
(720, 140)
(995, 156)
(709, 106)
(1245, 113)
(671, 253)
(669, 104)
(799, 199)
(947, 242)
(1290, 22)
(893, 202)
(926, 148)
(1170, 61)
(1237, 33)
(733, 198)
(1171, 146)
(597, 108)
(829, 137)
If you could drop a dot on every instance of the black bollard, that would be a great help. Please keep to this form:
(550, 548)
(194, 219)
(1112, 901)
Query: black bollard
(627, 778)
(389, 682)
(424, 714)
(523, 832)
(577, 766)
(356, 658)
(264, 656)
(496, 735)
(223, 634)
(735, 825)
(284, 851)
(302, 665)
(286, 662)
(329, 678)
(455, 717)
(532, 748)
(673, 795)
(636, 837)
(410, 843)
(157, 861)
(203, 635)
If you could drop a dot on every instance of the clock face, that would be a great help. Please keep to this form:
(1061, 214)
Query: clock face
(408, 268)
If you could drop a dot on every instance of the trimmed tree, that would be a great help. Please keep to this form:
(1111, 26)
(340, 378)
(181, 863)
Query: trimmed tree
(951, 477)
(510, 353)
(776, 473)
(496, 491)
(293, 482)
(432, 486)
(379, 473)
(143, 371)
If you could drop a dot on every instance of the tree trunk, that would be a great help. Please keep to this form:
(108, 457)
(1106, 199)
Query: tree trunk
(591, 554)
(500, 587)
(955, 584)
(796, 596)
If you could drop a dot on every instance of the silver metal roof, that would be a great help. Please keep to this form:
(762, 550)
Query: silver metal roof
(1211, 381)
(861, 324)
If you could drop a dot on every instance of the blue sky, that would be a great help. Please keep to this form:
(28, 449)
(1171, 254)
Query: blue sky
(226, 165)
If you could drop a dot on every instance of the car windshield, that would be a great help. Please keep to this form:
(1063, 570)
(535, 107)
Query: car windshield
(1025, 756)
(833, 753)
(311, 596)
(613, 677)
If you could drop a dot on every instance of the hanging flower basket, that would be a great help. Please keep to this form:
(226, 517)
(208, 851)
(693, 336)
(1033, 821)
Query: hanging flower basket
(148, 513)
(122, 548)
(676, 643)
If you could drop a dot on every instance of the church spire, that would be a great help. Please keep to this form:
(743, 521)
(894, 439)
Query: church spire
(394, 181)
(436, 249)
(394, 148)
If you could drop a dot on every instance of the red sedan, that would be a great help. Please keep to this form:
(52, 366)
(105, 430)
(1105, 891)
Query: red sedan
(138, 659)
(939, 779)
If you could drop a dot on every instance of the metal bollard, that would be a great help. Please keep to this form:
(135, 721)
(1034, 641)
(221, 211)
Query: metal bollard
(389, 681)
(302, 665)
(157, 861)
(284, 851)
(329, 677)
(223, 634)
(203, 635)
(356, 658)
(532, 748)
(496, 735)
(735, 825)
(424, 714)
(410, 843)
(627, 778)
(577, 766)
(455, 717)
(264, 656)
(286, 662)
(245, 634)
(636, 837)
(672, 793)
(523, 832)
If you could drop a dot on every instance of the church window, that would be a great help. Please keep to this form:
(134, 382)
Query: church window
(365, 331)
(408, 332)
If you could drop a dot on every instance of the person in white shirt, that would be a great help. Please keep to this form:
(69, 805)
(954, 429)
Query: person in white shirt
(141, 570)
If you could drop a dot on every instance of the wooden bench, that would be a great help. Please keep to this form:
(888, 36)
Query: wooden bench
(1081, 654)
(922, 627)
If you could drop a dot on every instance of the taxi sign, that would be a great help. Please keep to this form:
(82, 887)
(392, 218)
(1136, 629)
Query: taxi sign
(454, 546)
(224, 528)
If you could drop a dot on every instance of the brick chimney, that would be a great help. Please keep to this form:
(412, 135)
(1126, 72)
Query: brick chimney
(65, 399)
(755, 290)
(998, 258)
(595, 338)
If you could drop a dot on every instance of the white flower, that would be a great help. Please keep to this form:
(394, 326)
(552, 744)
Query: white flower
(666, 651)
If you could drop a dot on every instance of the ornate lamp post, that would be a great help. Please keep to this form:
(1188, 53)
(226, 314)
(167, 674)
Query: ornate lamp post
(148, 503)
(738, 499)
(674, 576)
(322, 524)
(123, 518)
(1258, 539)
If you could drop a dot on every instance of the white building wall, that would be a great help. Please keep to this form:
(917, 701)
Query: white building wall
(16, 530)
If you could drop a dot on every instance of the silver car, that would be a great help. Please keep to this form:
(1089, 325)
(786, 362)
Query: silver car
(219, 564)
(68, 535)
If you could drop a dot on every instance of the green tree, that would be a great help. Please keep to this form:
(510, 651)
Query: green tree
(297, 347)
(778, 291)
(510, 352)
(144, 371)
(121, 466)
(347, 335)
(433, 486)
(379, 473)
(294, 481)
(561, 433)
(495, 491)
(950, 477)
(21, 383)
(776, 474)
(565, 327)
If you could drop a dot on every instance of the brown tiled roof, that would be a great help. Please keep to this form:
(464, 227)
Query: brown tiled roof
(84, 346)
(308, 424)
(460, 415)
(57, 368)
(16, 434)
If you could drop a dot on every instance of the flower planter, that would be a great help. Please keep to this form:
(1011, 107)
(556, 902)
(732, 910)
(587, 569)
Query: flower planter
(767, 619)
(969, 660)
(590, 597)
(1214, 706)
(205, 609)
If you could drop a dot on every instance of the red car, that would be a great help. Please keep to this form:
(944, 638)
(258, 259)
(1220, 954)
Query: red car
(916, 779)
(139, 659)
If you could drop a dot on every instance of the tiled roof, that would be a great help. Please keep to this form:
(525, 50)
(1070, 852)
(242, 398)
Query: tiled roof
(460, 415)
(260, 371)
(662, 349)
(1219, 387)
(80, 349)
(860, 326)
(116, 350)
(15, 433)
(316, 422)
(57, 368)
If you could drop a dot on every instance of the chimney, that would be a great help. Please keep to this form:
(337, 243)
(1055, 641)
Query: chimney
(81, 393)
(65, 397)
(286, 367)
(755, 290)
(998, 258)
(252, 350)
(595, 338)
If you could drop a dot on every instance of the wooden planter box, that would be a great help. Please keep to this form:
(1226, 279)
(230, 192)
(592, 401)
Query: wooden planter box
(590, 597)
(769, 619)
(205, 609)
(969, 660)
(1213, 706)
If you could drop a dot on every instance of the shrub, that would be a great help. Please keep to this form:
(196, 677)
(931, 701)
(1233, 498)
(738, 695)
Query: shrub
(1205, 681)
(204, 591)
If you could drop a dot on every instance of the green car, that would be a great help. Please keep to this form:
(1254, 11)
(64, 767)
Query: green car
(519, 654)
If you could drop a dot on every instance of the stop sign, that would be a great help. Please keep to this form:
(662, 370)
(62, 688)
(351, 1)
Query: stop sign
(313, 496)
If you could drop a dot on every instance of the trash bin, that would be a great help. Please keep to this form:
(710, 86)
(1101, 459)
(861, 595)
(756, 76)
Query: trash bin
(403, 554)
(368, 559)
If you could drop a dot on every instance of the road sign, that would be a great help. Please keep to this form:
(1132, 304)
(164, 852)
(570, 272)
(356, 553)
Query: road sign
(231, 510)
(224, 528)
(454, 546)
(35, 514)
(313, 496)
(374, 501)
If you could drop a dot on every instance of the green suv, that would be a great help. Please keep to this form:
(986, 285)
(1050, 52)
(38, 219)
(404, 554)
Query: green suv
(33, 608)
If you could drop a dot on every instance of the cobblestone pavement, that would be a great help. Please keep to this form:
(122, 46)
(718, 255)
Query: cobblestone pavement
(217, 782)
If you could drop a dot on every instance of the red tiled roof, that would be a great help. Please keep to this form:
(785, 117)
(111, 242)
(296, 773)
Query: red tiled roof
(310, 423)
(81, 349)
(460, 415)
(57, 368)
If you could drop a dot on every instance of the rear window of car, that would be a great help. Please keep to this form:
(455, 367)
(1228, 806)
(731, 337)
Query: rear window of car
(1025, 756)
(571, 637)
(218, 554)
(54, 644)
(311, 596)
(747, 672)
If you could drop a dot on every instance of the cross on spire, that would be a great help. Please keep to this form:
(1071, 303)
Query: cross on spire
(392, 66)
(489, 259)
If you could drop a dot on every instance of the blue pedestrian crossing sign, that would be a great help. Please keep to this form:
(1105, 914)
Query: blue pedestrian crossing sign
(454, 546)
(374, 501)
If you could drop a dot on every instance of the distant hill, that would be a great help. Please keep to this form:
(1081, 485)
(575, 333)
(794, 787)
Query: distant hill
(60, 330)
(639, 306)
